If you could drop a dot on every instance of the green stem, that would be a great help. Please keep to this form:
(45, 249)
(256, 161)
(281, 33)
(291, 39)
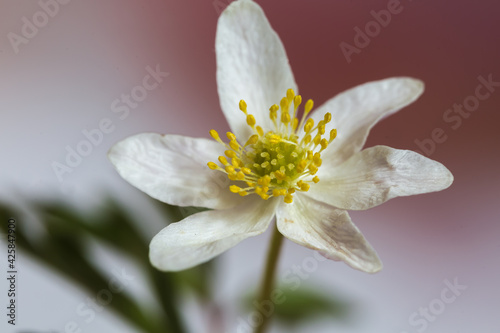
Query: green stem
(268, 277)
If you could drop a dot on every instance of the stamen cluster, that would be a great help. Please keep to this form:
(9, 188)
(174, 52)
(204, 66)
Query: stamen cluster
(276, 163)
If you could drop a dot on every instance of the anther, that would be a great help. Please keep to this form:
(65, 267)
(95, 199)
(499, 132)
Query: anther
(321, 130)
(280, 175)
(297, 100)
(308, 107)
(316, 140)
(252, 140)
(317, 159)
(230, 153)
(301, 166)
(251, 120)
(304, 187)
(312, 168)
(309, 125)
(246, 170)
(307, 139)
(243, 106)
(324, 144)
(285, 117)
(223, 160)
(236, 162)
(234, 145)
(212, 165)
(234, 188)
(284, 104)
(328, 117)
(215, 135)
(333, 134)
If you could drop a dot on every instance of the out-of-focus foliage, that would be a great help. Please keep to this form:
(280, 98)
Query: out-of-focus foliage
(63, 248)
(68, 233)
(298, 306)
(308, 303)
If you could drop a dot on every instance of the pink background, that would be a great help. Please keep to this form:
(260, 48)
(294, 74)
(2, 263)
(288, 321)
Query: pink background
(65, 78)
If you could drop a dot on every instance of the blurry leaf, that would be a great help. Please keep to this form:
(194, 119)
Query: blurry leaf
(63, 248)
(197, 279)
(111, 224)
(303, 304)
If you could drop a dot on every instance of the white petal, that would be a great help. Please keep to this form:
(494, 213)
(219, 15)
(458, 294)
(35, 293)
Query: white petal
(328, 230)
(357, 110)
(377, 174)
(173, 169)
(251, 65)
(202, 236)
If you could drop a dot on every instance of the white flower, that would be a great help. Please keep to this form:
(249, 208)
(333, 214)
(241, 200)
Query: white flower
(276, 165)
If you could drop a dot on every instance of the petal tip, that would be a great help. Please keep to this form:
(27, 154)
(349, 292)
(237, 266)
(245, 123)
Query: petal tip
(235, 6)
(417, 86)
(449, 178)
(374, 267)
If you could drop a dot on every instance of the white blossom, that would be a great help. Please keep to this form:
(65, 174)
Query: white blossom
(305, 170)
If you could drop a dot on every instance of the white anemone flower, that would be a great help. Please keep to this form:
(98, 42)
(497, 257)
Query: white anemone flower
(274, 162)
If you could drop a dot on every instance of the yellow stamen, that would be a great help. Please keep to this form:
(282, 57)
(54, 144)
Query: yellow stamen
(308, 107)
(223, 160)
(309, 125)
(234, 188)
(243, 106)
(333, 134)
(328, 117)
(251, 120)
(214, 134)
(234, 145)
(277, 162)
(252, 140)
(324, 144)
(230, 153)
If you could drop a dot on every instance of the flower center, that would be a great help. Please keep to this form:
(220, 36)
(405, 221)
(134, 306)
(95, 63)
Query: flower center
(276, 163)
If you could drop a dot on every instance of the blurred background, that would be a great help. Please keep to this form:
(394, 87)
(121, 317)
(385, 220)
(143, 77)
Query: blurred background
(64, 69)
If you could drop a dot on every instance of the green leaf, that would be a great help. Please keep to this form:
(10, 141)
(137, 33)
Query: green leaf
(292, 307)
(64, 247)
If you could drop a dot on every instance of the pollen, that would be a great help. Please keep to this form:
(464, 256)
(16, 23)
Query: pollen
(276, 162)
